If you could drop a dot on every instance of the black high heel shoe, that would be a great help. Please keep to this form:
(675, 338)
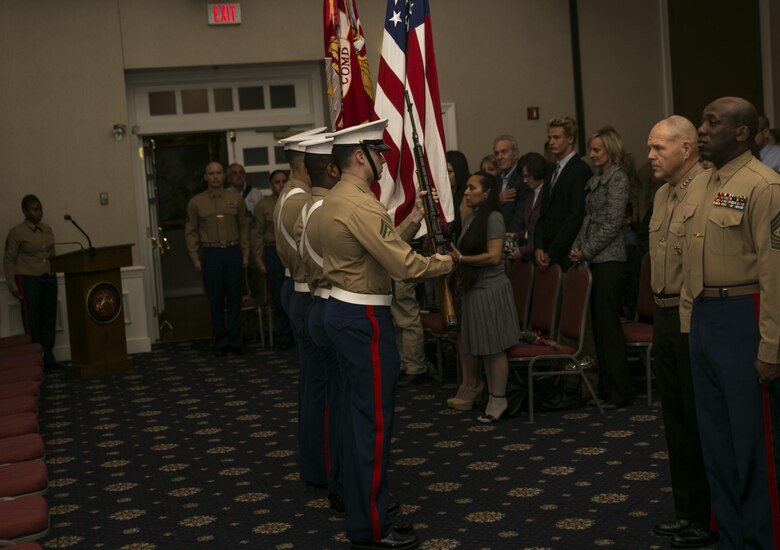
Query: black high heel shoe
(489, 418)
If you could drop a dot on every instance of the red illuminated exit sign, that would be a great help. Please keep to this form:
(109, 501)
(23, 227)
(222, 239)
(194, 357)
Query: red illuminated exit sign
(224, 14)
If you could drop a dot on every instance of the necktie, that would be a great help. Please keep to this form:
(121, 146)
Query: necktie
(555, 176)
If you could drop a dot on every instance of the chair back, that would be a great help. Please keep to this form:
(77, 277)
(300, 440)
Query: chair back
(544, 301)
(522, 279)
(645, 305)
(574, 303)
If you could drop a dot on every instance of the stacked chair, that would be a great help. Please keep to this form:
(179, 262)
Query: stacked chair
(573, 291)
(24, 513)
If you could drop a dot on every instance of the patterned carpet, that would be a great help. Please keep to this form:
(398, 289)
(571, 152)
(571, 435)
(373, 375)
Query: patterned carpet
(191, 451)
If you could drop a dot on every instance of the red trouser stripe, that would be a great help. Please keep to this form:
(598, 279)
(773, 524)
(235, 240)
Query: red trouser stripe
(376, 476)
(770, 452)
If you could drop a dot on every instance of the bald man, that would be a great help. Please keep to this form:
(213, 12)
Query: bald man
(674, 159)
(217, 237)
(731, 274)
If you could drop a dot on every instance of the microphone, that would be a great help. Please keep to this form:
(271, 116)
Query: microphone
(89, 241)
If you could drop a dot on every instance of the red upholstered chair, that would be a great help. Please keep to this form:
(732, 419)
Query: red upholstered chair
(639, 336)
(15, 389)
(24, 349)
(19, 404)
(544, 300)
(574, 306)
(23, 519)
(17, 340)
(14, 361)
(21, 448)
(33, 372)
(27, 546)
(18, 424)
(23, 479)
(522, 278)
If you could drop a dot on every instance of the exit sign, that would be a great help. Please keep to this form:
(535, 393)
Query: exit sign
(224, 14)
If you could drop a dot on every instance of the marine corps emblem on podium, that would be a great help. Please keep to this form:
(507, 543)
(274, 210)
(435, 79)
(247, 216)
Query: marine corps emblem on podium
(104, 303)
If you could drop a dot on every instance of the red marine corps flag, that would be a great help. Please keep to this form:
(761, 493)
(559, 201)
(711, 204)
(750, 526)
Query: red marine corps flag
(408, 63)
(350, 95)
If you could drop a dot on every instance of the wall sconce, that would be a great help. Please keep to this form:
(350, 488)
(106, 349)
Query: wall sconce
(119, 131)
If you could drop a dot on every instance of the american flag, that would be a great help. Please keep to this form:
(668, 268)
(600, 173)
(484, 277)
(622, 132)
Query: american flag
(408, 62)
(350, 94)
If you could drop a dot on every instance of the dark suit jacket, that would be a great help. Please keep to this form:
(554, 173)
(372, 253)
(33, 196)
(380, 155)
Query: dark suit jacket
(508, 209)
(562, 211)
(526, 219)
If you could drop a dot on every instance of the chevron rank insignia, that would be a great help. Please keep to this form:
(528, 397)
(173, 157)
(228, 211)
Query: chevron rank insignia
(774, 228)
(385, 230)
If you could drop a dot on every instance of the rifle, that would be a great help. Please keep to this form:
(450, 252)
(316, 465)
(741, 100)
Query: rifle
(432, 219)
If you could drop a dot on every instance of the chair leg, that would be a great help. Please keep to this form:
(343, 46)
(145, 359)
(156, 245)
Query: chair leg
(590, 390)
(271, 325)
(260, 326)
(530, 392)
(649, 375)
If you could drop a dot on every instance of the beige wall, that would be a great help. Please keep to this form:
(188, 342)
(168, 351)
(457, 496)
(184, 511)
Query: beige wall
(62, 88)
(622, 68)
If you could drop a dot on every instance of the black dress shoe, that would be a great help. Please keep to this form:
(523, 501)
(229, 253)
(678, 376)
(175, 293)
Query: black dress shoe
(283, 346)
(393, 508)
(337, 504)
(221, 351)
(315, 487)
(402, 537)
(409, 379)
(671, 528)
(694, 537)
(52, 366)
(238, 350)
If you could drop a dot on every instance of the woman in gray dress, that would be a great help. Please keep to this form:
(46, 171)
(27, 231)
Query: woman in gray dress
(488, 318)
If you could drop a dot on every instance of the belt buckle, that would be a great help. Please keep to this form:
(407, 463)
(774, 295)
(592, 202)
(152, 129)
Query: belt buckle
(723, 293)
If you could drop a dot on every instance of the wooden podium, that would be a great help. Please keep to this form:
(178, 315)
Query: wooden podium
(93, 287)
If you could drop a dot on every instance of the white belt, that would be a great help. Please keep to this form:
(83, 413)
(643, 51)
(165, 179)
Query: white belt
(302, 287)
(287, 272)
(322, 292)
(361, 299)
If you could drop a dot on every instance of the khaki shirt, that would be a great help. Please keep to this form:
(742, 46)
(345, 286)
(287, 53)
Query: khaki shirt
(28, 248)
(734, 239)
(667, 231)
(263, 230)
(311, 240)
(310, 246)
(216, 217)
(362, 251)
(287, 213)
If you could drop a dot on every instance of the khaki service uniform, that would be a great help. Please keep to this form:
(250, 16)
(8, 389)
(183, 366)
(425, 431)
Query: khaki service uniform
(217, 235)
(312, 378)
(671, 351)
(362, 252)
(28, 248)
(732, 264)
(264, 251)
